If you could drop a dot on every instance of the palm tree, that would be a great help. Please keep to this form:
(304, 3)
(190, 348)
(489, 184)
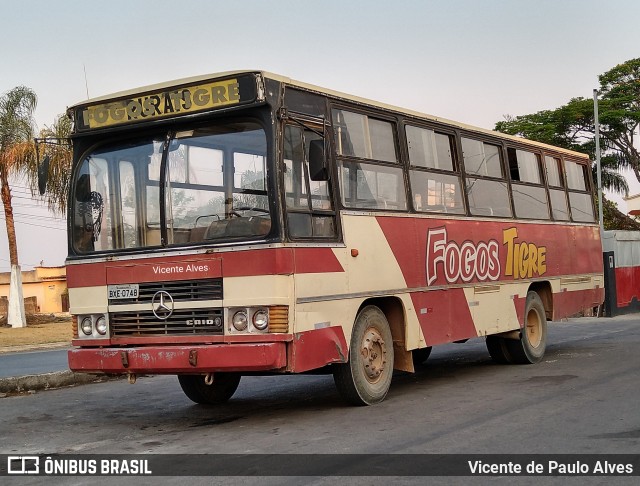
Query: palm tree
(611, 177)
(18, 158)
(54, 142)
(16, 132)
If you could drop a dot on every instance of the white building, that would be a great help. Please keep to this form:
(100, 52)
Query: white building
(633, 205)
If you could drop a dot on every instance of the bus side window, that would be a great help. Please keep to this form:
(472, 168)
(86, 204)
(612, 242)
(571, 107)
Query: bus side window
(529, 194)
(559, 206)
(486, 188)
(430, 155)
(580, 199)
(377, 182)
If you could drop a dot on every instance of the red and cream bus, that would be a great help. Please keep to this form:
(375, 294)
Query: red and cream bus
(245, 223)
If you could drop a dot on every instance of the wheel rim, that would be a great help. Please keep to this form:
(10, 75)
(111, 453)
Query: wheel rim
(374, 355)
(534, 328)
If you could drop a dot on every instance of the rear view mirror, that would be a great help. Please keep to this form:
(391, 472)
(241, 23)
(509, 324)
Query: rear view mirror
(318, 170)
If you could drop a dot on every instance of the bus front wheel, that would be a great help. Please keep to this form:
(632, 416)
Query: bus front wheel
(365, 379)
(222, 388)
(532, 344)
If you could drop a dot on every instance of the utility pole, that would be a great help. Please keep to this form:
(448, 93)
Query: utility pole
(598, 168)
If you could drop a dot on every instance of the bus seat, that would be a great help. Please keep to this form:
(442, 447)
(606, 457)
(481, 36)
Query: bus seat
(216, 229)
(197, 234)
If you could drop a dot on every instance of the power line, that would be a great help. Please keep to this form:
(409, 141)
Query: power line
(38, 225)
(40, 216)
(22, 263)
(46, 217)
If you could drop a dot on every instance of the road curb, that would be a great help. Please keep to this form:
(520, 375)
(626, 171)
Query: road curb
(47, 381)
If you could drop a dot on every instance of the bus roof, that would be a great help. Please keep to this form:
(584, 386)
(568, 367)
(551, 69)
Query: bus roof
(335, 94)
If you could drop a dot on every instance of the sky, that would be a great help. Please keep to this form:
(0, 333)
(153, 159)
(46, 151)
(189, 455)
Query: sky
(473, 61)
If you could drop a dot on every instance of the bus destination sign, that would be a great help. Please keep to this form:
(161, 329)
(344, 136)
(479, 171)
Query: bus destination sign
(167, 103)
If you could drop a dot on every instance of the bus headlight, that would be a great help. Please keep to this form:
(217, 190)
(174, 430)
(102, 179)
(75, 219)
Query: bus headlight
(94, 326)
(240, 321)
(261, 320)
(101, 326)
(86, 326)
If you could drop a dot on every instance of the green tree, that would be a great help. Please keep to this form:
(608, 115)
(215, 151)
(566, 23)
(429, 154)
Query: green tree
(19, 158)
(16, 133)
(572, 125)
(614, 219)
(54, 143)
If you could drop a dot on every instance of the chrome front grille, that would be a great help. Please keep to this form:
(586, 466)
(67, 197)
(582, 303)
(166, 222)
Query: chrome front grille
(181, 322)
(181, 291)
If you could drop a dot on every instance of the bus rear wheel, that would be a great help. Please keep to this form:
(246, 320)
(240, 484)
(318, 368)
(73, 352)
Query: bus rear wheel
(498, 349)
(220, 390)
(532, 344)
(365, 379)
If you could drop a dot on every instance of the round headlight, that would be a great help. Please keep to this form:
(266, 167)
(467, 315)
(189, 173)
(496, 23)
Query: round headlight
(261, 320)
(240, 321)
(101, 326)
(86, 326)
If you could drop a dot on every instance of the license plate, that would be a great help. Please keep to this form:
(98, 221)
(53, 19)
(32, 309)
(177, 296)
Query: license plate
(129, 291)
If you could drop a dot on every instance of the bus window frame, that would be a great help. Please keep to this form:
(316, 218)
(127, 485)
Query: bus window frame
(559, 160)
(315, 124)
(589, 188)
(399, 149)
(88, 142)
(291, 115)
(539, 155)
(465, 176)
(455, 161)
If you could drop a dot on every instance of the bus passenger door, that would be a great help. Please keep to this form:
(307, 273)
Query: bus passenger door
(311, 224)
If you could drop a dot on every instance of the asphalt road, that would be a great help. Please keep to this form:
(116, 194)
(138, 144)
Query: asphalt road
(33, 362)
(582, 398)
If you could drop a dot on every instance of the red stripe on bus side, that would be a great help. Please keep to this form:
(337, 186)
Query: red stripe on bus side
(278, 261)
(162, 271)
(444, 316)
(86, 275)
(316, 260)
(270, 261)
(567, 304)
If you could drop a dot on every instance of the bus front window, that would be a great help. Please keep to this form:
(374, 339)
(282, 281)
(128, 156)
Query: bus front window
(215, 189)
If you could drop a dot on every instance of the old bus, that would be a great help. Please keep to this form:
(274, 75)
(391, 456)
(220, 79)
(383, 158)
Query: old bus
(248, 223)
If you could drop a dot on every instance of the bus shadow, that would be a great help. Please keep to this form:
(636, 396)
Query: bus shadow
(300, 394)
(451, 369)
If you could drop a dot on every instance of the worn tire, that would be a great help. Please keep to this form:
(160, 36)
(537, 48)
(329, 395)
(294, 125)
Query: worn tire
(221, 390)
(420, 355)
(532, 344)
(498, 349)
(365, 379)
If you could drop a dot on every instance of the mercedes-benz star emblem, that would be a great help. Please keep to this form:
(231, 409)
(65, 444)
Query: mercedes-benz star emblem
(162, 305)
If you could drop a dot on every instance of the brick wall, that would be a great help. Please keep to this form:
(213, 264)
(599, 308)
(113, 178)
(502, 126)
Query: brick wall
(30, 306)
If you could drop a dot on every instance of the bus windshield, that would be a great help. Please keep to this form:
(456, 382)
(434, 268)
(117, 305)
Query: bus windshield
(214, 181)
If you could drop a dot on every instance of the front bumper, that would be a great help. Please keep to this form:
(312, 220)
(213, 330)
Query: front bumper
(181, 359)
